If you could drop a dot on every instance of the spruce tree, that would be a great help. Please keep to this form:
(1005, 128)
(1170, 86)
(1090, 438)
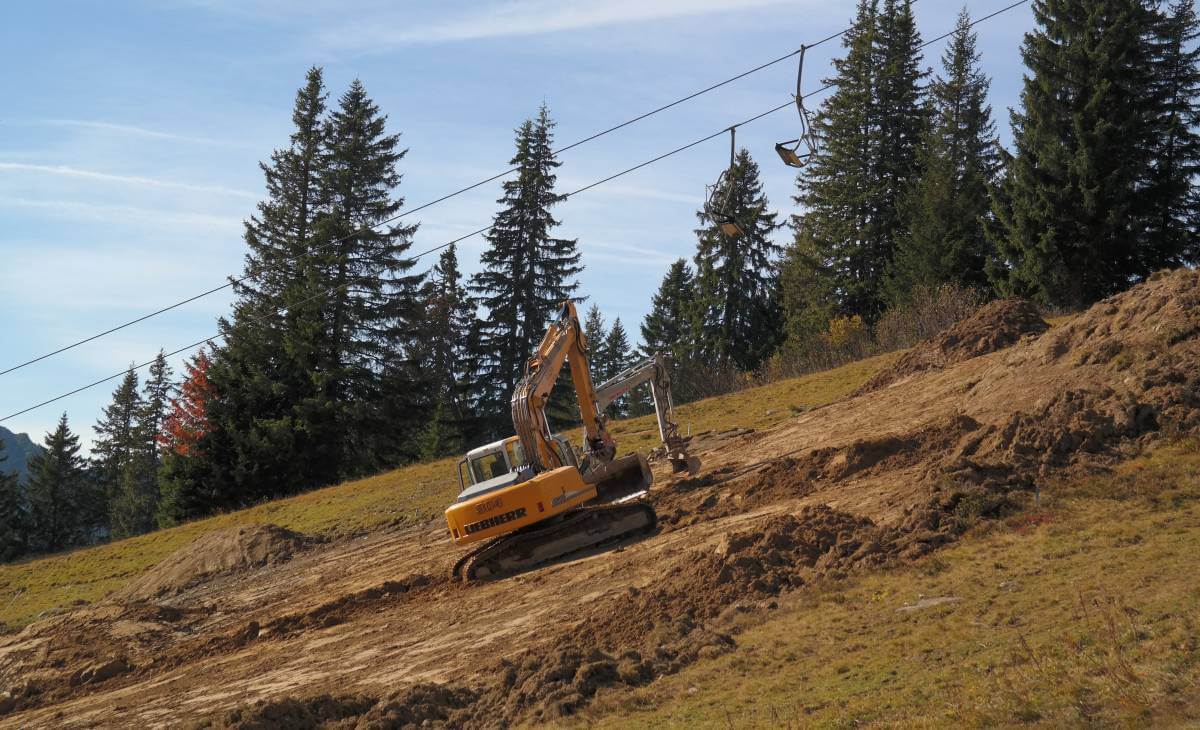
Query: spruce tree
(594, 332)
(59, 499)
(903, 121)
(14, 513)
(946, 210)
(186, 485)
(1073, 221)
(667, 328)
(868, 132)
(527, 274)
(135, 503)
(806, 293)
(445, 355)
(736, 298)
(117, 440)
(375, 309)
(316, 380)
(271, 428)
(1172, 199)
(617, 356)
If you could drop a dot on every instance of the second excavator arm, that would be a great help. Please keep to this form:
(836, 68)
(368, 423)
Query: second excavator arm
(653, 370)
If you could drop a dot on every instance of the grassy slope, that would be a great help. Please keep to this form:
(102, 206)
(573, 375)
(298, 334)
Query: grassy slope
(410, 494)
(1083, 612)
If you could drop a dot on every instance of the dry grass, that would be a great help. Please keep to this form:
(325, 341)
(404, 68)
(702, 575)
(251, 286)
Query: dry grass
(1082, 613)
(32, 587)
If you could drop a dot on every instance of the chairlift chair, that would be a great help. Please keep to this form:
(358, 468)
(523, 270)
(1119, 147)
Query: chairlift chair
(789, 151)
(719, 210)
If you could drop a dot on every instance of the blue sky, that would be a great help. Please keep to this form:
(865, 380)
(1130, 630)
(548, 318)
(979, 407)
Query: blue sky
(130, 142)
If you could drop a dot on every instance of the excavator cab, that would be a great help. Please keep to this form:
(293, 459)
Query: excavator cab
(501, 458)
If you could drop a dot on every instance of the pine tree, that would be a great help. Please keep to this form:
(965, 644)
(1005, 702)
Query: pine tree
(868, 132)
(1172, 199)
(736, 297)
(1070, 231)
(667, 326)
(805, 292)
(594, 331)
(274, 420)
(58, 492)
(526, 275)
(135, 504)
(186, 485)
(14, 514)
(617, 357)
(903, 121)
(444, 354)
(316, 380)
(117, 440)
(375, 310)
(946, 210)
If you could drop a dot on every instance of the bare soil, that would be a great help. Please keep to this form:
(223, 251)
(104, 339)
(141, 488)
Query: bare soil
(993, 327)
(370, 632)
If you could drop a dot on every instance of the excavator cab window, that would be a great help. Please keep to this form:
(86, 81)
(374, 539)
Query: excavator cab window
(516, 454)
(489, 466)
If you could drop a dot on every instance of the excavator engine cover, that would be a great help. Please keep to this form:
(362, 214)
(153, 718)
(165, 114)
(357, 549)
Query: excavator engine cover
(620, 478)
(510, 508)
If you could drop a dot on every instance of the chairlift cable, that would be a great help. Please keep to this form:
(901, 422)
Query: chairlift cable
(251, 275)
(573, 193)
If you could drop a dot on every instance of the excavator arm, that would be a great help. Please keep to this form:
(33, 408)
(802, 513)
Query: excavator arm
(564, 341)
(653, 370)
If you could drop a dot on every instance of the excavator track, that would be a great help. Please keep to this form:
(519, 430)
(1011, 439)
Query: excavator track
(586, 527)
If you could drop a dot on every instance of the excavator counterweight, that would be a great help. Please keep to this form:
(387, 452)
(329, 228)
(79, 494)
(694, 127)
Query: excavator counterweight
(531, 498)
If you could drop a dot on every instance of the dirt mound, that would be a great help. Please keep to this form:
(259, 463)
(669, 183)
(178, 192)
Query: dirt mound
(992, 327)
(724, 492)
(420, 705)
(217, 553)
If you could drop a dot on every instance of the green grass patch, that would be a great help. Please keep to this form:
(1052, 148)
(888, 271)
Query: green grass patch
(1082, 613)
(32, 587)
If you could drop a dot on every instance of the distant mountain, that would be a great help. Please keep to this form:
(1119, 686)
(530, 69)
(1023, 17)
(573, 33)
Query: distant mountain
(19, 449)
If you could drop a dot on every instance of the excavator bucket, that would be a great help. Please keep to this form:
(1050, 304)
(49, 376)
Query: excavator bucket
(620, 478)
(684, 463)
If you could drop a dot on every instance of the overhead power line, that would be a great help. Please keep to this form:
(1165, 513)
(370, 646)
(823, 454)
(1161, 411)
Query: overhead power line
(485, 229)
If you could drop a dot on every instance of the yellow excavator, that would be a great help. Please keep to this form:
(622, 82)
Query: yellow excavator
(531, 498)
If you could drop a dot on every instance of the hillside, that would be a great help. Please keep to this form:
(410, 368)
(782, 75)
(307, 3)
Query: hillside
(993, 537)
(19, 450)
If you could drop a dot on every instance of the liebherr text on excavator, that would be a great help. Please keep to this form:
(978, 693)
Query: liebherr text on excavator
(529, 498)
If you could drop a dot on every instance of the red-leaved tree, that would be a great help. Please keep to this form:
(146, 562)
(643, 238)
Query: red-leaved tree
(187, 422)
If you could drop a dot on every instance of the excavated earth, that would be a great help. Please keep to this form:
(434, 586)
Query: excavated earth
(271, 630)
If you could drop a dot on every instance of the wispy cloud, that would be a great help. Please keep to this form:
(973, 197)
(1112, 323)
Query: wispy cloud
(66, 171)
(135, 131)
(624, 253)
(129, 215)
(531, 17)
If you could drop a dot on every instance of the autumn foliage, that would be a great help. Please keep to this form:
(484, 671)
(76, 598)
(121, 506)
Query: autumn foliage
(187, 422)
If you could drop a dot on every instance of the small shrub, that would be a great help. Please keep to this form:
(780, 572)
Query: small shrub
(927, 311)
